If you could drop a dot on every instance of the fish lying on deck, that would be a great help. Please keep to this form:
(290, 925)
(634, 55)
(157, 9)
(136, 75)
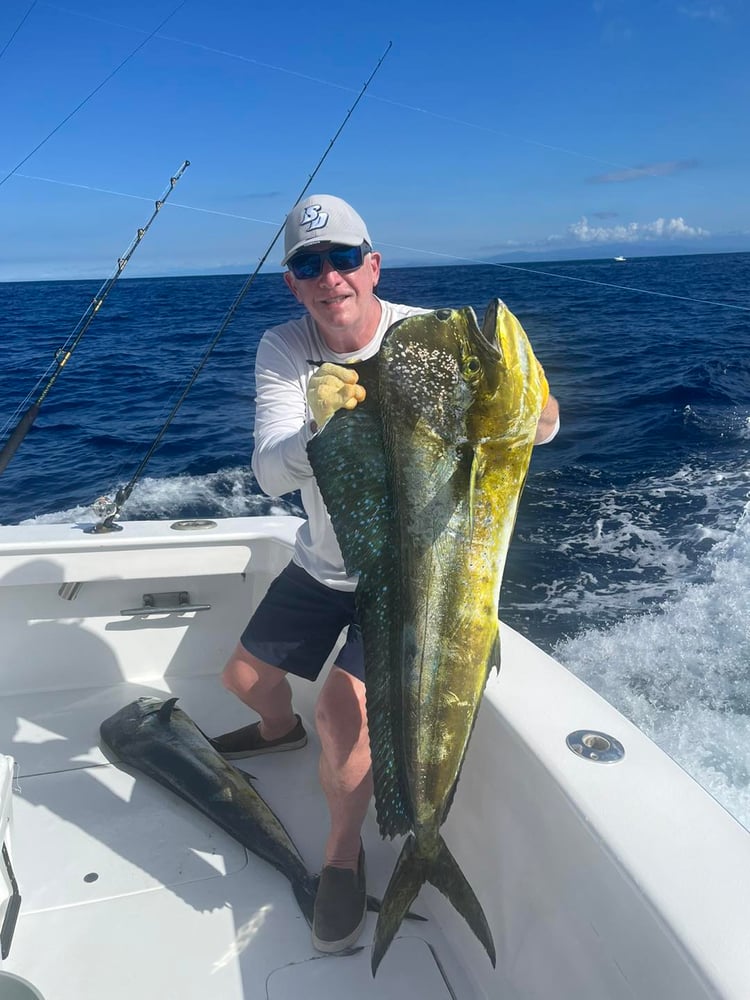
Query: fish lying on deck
(422, 481)
(164, 743)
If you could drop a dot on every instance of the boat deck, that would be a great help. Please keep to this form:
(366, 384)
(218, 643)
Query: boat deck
(598, 880)
(135, 893)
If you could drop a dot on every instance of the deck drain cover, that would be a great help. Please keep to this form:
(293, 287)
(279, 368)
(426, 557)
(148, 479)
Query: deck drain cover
(592, 745)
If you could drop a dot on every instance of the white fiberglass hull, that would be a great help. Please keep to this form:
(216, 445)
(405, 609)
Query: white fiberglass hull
(599, 880)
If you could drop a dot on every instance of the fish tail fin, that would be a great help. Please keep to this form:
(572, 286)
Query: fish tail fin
(446, 876)
(407, 879)
(409, 875)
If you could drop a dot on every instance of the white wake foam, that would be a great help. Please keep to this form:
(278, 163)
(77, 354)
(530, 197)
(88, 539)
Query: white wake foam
(227, 493)
(682, 673)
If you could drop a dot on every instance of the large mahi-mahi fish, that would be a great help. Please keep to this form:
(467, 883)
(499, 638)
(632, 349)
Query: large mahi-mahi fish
(422, 482)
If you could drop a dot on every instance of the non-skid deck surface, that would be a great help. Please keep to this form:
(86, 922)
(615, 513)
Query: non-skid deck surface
(130, 892)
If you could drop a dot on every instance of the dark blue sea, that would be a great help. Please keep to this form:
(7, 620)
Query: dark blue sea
(631, 558)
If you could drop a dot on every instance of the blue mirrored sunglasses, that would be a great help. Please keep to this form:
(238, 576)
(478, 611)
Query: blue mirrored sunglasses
(309, 264)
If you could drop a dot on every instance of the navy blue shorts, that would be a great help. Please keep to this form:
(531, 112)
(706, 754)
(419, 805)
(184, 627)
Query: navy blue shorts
(297, 623)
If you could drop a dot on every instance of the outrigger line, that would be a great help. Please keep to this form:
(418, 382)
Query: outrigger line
(110, 509)
(64, 353)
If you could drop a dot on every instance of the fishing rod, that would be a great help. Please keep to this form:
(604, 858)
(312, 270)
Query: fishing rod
(18, 28)
(64, 353)
(95, 91)
(110, 509)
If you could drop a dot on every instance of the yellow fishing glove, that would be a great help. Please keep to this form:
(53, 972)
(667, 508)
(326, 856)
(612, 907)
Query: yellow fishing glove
(332, 388)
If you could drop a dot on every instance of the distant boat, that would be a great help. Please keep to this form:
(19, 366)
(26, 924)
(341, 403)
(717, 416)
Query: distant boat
(621, 258)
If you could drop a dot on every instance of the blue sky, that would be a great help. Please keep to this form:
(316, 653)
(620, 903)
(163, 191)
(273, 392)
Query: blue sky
(517, 132)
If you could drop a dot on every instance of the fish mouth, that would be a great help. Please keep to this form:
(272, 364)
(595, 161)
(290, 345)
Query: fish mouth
(488, 338)
(489, 346)
(482, 340)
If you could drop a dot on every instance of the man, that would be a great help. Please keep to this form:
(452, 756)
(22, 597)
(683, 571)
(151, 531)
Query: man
(333, 273)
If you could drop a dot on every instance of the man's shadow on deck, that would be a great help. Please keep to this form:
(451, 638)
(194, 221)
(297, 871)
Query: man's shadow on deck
(59, 683)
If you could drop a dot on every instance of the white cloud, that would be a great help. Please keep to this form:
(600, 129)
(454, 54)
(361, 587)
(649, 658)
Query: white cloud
(659, 229)
(706, 11)
(663, 169)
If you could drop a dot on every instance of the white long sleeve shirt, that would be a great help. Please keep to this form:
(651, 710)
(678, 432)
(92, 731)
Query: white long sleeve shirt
(283, 428)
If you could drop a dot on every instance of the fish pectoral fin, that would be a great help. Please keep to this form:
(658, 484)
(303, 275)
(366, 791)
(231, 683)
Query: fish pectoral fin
(441, 459)
(474, 474)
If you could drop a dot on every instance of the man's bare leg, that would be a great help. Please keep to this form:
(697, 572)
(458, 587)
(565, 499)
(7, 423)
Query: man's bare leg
(263, 688)
(345, 774)
(341, 721)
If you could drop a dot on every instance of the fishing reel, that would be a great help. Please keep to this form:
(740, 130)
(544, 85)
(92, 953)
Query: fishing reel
(106, 510)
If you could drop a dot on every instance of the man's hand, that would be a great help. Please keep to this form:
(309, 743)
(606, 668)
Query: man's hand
(333, 388)
(549, 421)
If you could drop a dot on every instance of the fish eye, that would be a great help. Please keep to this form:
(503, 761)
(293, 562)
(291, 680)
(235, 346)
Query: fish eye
(471, 366)
(443, 314)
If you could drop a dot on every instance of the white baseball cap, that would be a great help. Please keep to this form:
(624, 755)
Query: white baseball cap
(323, 218)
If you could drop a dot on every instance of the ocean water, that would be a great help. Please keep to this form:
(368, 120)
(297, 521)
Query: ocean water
(631, 557)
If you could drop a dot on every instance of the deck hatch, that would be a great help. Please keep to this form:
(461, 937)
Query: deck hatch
(134, 835)
(409, 970)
